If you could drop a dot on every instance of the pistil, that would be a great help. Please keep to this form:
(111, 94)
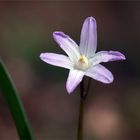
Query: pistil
(82, 63)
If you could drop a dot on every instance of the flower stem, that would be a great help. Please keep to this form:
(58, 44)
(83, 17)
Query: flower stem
(80, 127)
(83, 94)
(15, 105)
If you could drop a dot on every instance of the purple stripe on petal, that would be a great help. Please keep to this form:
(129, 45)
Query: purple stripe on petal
(59, 33)
(56, 60)
(116, 55)
(100, 73)
(74, 78)
(88, 40)
(67, 44)
(106, 56)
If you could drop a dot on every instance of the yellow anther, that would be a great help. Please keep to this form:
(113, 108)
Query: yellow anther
(83, 60)
(82, 63)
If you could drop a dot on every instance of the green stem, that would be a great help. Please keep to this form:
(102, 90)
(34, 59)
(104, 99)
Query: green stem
(16, 108)
(83, 95)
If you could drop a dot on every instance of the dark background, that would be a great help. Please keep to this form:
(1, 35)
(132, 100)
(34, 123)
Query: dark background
(111, 111)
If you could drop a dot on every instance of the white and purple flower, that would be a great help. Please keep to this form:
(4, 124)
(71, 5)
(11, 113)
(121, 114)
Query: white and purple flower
(82, 60)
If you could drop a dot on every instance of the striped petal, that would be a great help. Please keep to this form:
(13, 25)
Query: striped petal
(100, 73)
(106, 56)
(88, 40)
(74, 78)
(57, 60)
(67, 44)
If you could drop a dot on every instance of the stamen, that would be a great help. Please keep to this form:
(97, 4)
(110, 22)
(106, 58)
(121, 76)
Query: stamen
(83, 60)
(82, 63)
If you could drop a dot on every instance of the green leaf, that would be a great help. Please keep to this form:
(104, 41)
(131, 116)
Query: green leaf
(14, 103)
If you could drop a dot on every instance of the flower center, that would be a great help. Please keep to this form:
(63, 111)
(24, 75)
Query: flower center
(82, 63)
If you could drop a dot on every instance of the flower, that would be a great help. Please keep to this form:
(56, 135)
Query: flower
(82, 60)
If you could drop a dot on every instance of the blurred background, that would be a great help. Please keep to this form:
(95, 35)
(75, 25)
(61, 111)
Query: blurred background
(111, 111)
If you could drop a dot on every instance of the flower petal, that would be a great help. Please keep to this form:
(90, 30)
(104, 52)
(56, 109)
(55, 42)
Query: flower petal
(88, 40)
(100, 73)
(67, 44)
(106, 56)
(56, 60)
(74, 78)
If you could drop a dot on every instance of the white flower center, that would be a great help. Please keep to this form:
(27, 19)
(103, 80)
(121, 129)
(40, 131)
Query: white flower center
(82, 63)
